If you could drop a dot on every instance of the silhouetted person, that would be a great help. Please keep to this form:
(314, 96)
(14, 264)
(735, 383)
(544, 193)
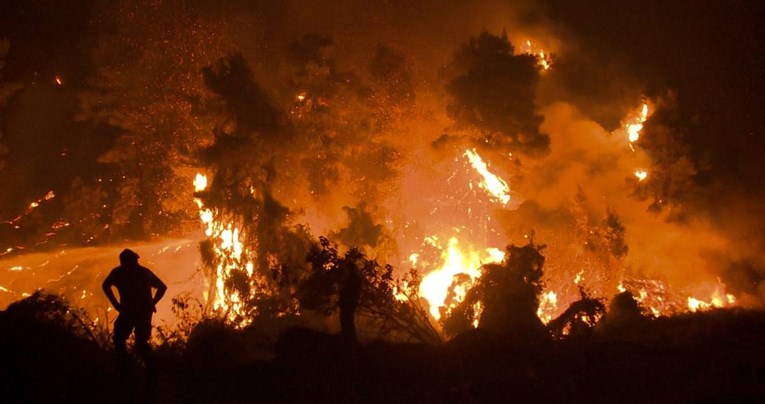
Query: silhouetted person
(136, 305)
(350, 293)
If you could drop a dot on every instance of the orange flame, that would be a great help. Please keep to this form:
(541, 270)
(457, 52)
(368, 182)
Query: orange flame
(544, 60)
(435, 286)
(635, 124)
(232, 255)
(494, 185)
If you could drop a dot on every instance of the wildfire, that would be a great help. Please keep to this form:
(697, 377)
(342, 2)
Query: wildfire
(544, 60)
(656, 297)
(548, 305)
(495, 186)
(231, 255)
(635, 124)
(436, 285)
(718, 299)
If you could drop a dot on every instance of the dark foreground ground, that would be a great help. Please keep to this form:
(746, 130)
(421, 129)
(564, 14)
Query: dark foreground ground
(717, 356)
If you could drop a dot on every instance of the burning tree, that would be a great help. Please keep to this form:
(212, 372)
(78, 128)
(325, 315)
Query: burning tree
(302, 146)
(251, 248)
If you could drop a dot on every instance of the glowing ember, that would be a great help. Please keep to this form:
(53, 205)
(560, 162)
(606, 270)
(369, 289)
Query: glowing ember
(58, 80)
(495, 186)
(478, 309)
(579, 277)
(16, 222)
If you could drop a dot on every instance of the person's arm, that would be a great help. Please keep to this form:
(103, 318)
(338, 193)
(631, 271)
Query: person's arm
(160, 286)
(107, 286)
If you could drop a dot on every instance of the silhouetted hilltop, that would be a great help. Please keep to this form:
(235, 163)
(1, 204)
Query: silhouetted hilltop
(50, 355)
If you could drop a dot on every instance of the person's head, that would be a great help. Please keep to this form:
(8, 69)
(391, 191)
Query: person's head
(128, 257)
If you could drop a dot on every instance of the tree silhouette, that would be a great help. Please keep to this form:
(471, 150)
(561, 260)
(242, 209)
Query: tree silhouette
(494, 92)
(580, 317)
(391, 306)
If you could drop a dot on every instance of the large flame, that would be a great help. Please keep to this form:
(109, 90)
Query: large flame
(494, 185)
(231, 255)
(436, 285)
(458, 264)
(634, 125)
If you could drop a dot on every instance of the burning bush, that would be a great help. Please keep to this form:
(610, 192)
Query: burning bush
(580, 317)
(506, 297)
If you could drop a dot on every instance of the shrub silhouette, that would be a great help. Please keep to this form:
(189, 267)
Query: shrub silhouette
(506, 296)
(383, 313)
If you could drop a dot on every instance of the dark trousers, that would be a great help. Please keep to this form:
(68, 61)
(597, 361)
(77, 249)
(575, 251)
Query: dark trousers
(124, 326)
(347, 323)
